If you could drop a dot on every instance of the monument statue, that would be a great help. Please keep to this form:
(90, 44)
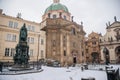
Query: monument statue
(22, 49)
(23, 33)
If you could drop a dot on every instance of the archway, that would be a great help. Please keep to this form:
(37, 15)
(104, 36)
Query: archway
(95, 57)
(74, 60)
(74, 55)
(106, 55)
(117, 51)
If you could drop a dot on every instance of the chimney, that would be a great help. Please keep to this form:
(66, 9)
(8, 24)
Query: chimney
(1, 11)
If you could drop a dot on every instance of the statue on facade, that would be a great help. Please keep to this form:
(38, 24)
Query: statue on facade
(22, 49)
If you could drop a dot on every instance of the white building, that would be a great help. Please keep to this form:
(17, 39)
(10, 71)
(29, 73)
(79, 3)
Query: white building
(111, 40)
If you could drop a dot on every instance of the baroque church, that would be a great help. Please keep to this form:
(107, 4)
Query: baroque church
(64, 37)
(57, 37)
(111, 41)
(92, 48)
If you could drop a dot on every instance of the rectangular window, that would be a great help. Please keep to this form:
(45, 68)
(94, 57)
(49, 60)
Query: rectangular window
(8, 37)
(33, 28)
(12, 52)
(10, 24)
(64, 53)
(42, 55)
(74, 44)
(28, 40)
(94, 43)
(31, 52)
(32, 40)
(13, 37)
(6, 51)
(82, 53)
(73, 31)
(86, 50)
(29, 28)
(42, 41)
(15, 24)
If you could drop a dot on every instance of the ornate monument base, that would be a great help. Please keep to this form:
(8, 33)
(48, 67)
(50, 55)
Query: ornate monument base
(22, 49)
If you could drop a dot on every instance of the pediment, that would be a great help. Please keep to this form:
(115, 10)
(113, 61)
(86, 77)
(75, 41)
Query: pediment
(115, 24)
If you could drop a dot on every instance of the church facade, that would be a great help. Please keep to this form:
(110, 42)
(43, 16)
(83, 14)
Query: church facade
(64, 37)
(111, 40)
(57, 37)
(92, 48)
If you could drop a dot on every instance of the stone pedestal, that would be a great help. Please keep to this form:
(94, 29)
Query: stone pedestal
(22, 49)
(87, 78)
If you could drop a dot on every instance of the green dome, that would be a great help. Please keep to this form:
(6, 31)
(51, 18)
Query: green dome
(56, 6)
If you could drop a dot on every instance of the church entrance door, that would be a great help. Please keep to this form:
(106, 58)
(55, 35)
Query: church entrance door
(117, 51)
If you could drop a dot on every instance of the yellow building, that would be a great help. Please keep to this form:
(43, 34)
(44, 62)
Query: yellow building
(9, 37)
(92, 48)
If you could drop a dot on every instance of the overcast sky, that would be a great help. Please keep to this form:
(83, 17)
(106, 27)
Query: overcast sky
(93, 13)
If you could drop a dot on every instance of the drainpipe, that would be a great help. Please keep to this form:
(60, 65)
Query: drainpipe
(38, 50)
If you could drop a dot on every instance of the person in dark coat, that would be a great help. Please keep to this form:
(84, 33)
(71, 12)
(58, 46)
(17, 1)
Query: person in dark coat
(1, 66)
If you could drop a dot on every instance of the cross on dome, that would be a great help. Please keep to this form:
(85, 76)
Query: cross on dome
(56, 1)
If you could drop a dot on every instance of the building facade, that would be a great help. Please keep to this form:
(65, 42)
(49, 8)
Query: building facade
(111, 40)
(64, 37)
(9, 37)
(92, 48)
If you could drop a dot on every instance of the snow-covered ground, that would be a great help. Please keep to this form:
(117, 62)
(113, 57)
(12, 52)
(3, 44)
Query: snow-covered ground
(50, 73)
(61, 73)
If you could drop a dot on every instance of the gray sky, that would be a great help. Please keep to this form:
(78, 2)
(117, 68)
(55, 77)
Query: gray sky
(93, 13)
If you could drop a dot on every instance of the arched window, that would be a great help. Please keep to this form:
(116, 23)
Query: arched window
(54, 16)
(65, 17)
(49, 15)
(73, 31)
(65, 53)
